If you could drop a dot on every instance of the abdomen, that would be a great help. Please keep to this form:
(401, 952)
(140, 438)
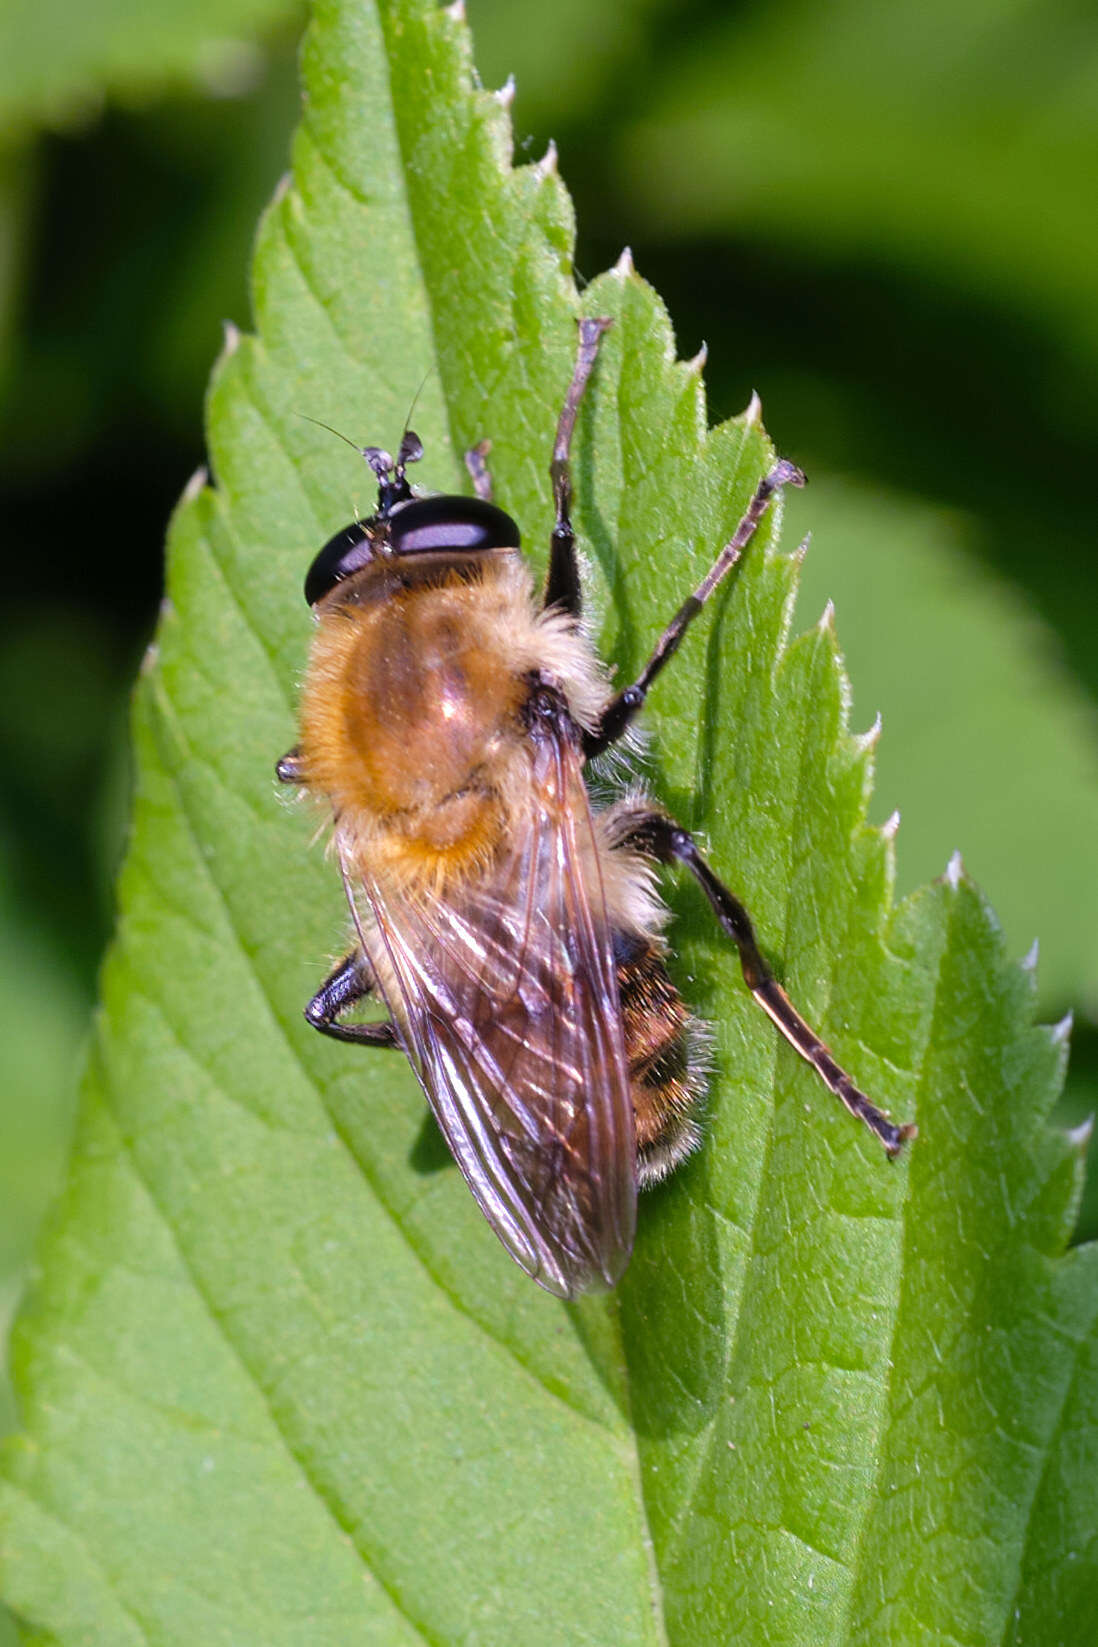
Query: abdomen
(665, 1049)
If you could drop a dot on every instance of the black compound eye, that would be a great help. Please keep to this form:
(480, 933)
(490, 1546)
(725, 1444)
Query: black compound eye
(443, 523)
(347, 552)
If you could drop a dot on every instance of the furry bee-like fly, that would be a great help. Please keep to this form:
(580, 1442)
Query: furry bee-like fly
(511, 928)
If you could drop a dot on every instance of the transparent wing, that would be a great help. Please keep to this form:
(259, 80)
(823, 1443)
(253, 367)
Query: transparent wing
(506, 997)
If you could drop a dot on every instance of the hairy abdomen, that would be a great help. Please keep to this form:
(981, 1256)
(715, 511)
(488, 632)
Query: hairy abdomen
(665, 1053)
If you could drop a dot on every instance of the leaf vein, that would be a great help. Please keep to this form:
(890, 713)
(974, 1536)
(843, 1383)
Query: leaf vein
(330, 1505)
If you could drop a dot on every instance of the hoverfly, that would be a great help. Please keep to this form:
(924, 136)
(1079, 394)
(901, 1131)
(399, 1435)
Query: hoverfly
(511, 928)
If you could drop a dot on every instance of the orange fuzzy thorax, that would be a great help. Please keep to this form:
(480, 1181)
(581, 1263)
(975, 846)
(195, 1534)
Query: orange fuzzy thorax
(409, 719)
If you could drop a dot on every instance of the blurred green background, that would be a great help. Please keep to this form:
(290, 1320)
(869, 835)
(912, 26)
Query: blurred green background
(881, 218)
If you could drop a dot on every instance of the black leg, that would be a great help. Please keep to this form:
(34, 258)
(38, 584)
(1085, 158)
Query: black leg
(290, 769)
(562, 585)
(622, 709)
(657, 836)
(478, 469)
(349, 983)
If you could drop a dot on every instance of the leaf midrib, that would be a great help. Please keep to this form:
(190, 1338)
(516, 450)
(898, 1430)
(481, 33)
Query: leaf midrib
(635, 1467)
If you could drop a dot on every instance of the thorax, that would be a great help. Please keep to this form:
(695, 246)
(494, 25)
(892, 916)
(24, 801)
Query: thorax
(410, 720)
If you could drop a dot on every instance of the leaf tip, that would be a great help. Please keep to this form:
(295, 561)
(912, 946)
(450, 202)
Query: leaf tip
(825, 624)
(505, 96)
(230, 339)
(1060, 1033)
(625, 266)
(891, 826)
(195, 484)
(696, 363)
(1029, 960)
(456, 10)
(954, 871)
(865, 742)
(1079, 1136)
(547, 165)
(753, 412)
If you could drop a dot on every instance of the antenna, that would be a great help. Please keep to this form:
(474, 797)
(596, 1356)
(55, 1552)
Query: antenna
(344, 438)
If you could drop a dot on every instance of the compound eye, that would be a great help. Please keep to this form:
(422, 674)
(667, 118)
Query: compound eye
(444, 523)
(347, 552)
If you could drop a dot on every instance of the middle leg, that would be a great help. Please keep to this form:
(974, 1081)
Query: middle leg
(350, 983)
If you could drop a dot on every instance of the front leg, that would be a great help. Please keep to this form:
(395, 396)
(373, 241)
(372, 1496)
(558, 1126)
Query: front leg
(476, 461)
(562, 585)
(291, 768)
(624, 708)
(351, 982)
(653, 834)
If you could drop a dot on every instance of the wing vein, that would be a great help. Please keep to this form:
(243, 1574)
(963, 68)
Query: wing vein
(505, 992)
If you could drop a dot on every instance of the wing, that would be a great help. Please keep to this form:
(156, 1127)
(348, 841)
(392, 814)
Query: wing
(507, 1001)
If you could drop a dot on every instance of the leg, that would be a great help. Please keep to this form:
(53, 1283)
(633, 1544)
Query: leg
(622, 709)
(289, 769)
(478, 469)
(562, 586)
(657, 836)
(350, 982)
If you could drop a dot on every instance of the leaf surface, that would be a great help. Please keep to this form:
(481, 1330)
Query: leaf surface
(988, 737)
(278, 1380)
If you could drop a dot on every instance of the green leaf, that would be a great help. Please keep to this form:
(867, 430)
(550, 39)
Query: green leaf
(565, 70)
(941, 134)
(279, 1382)
(42, 1018)
(988, 739)
(58, 60)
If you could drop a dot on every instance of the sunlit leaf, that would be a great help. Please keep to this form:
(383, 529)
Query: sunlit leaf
(988, 740)
(279, 1382)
